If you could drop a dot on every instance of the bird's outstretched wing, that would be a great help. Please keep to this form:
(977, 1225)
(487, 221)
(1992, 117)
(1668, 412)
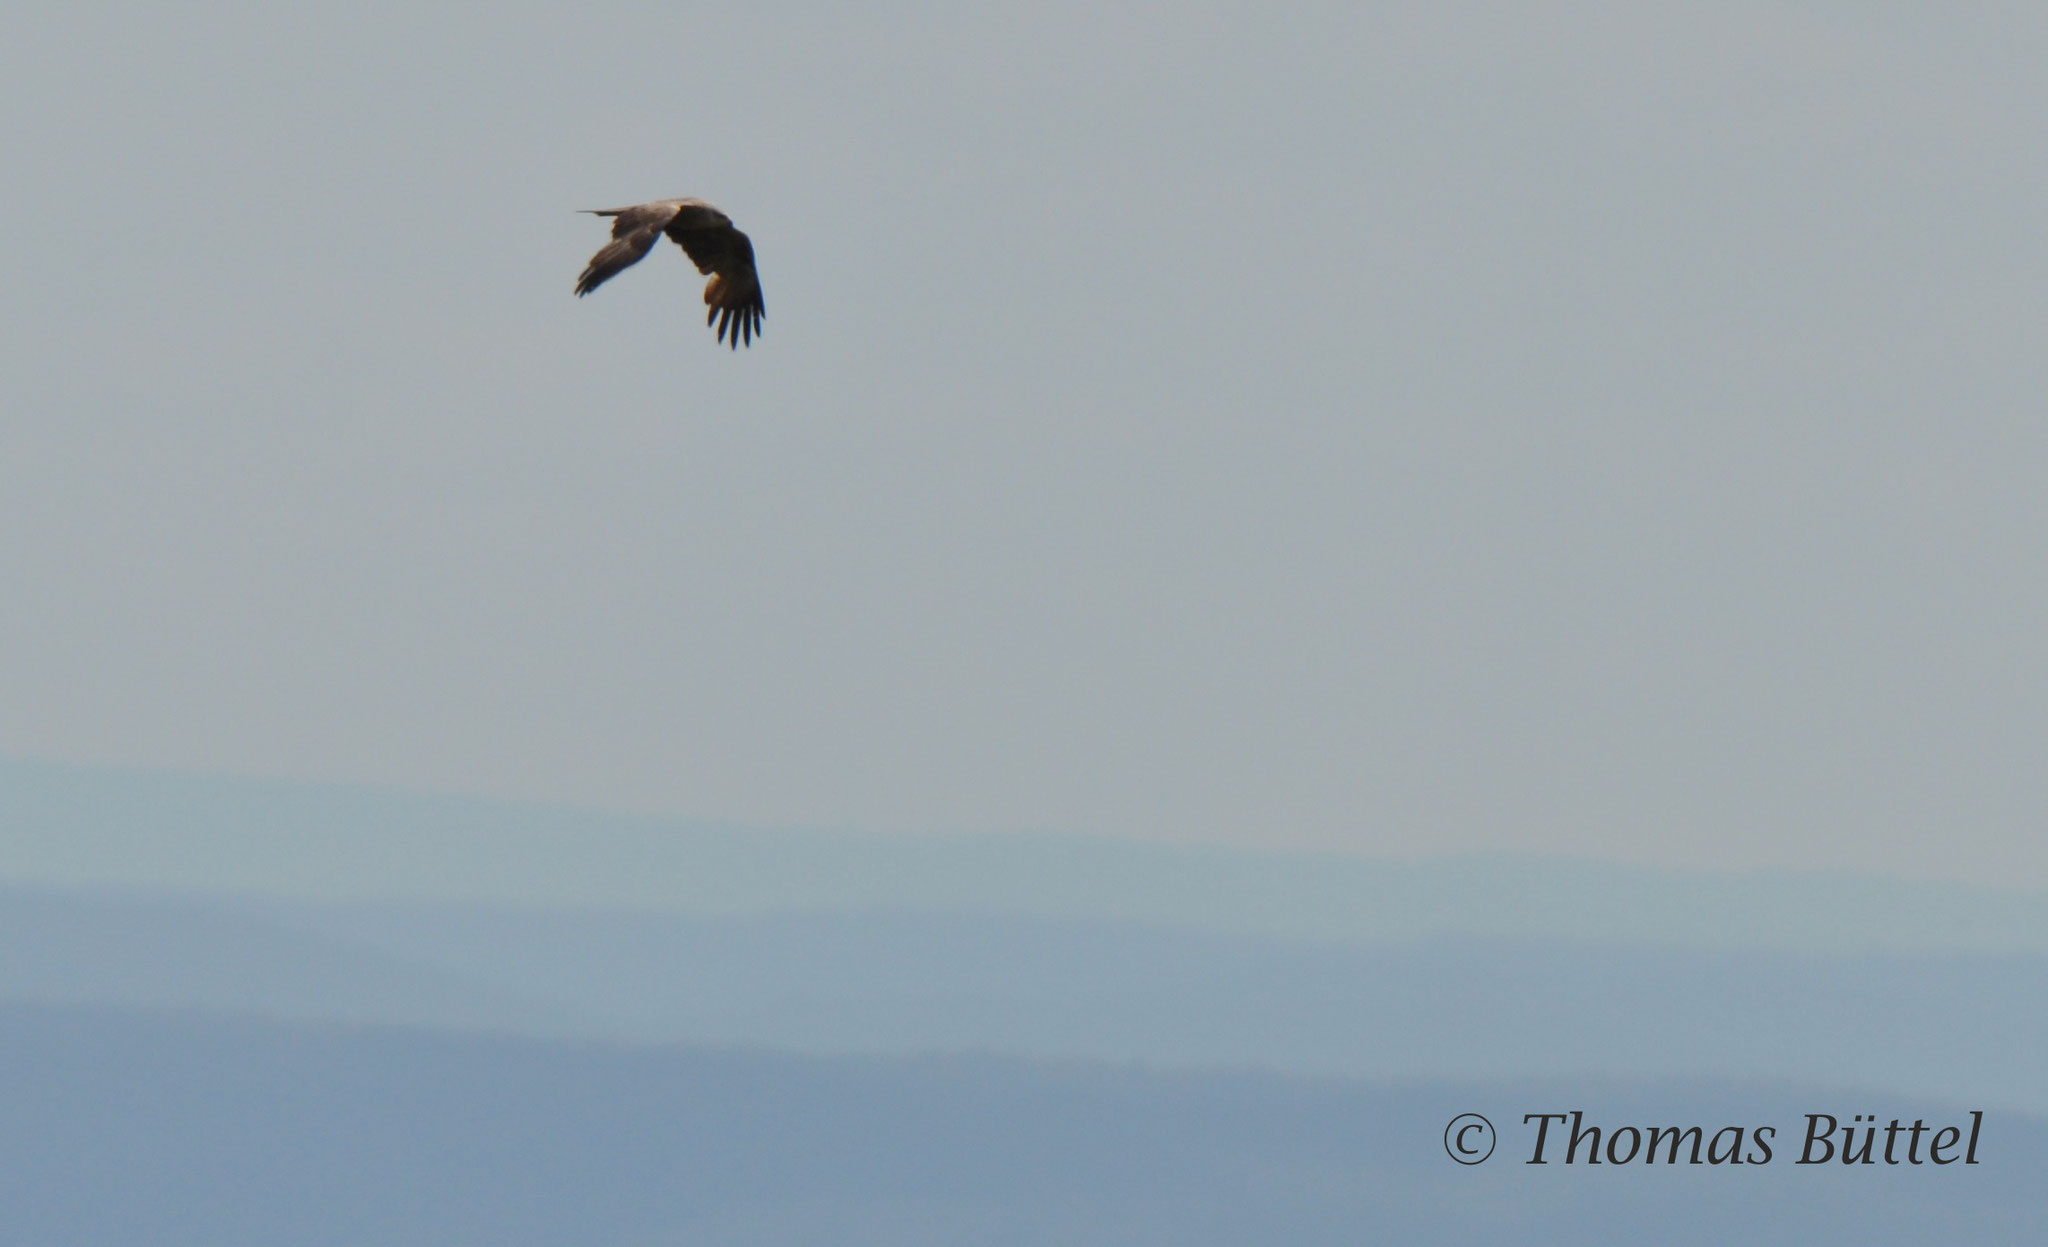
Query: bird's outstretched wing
(733, 295)
(633, 233)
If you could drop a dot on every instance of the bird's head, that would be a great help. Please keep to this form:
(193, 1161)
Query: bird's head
(696, 214)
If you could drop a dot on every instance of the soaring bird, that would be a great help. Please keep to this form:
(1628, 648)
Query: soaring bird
(732, 296)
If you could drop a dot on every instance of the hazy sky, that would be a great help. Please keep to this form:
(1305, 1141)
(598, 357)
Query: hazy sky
(1601, 428)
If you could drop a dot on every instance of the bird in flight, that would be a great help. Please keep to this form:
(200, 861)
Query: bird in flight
(732, 296)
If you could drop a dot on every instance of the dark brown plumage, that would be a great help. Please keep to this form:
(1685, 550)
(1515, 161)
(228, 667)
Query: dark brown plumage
(732, 296)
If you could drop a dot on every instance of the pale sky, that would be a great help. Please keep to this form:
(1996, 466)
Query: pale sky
(1404, 429)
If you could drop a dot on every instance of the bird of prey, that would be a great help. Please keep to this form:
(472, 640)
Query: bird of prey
(732, 296)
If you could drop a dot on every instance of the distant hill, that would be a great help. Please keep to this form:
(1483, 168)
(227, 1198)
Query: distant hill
(122, 1128)
(196, 953)
(98, 827)
(1959, 1026)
